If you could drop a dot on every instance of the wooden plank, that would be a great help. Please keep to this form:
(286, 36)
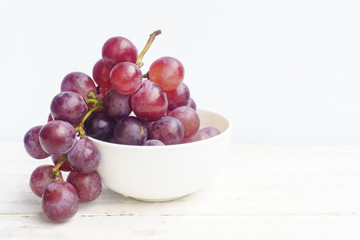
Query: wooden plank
(257, 180)
(263, 192)
(183, 227)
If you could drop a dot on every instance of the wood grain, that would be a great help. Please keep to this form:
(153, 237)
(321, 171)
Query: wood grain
(263, 192)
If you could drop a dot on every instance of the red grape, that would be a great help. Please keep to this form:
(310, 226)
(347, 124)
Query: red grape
(153, 142)
(78, 82)
(57, 137)
(210, 131)
(116, 105)
(84, 156)
(130, 131)
(32, 143)
(101, 74)
(87, 185)
(68, 106)
(198, 136)
(178, 96)
(188, 117)
(168, 72)
(125, 78)
(118, 49)
(40, 178)
(60, 201)
(149, 102)
(168, 130)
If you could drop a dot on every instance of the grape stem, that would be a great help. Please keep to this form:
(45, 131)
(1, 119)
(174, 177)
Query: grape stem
(55, 171)
(97, 104)
(139, 62)
(80, 127)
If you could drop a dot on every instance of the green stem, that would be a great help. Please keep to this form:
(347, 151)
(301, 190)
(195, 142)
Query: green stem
(55, 171)
(139, 62)
(80, 127)
(90, 100)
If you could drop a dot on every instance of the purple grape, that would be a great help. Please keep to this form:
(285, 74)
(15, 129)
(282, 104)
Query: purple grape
(60, 201)
(84, 156)
(178, 96)
(40, 178)
(168, 130)
(100, 126)
(57, 137)
(68, 106)
(130, 131)
(87, 185)
(192, 104)
(78, 82)
(210, 131)
(153, 142)
(116, 105)
(32, 143)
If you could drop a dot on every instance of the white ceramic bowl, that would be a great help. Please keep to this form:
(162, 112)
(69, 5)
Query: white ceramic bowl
(162, 173)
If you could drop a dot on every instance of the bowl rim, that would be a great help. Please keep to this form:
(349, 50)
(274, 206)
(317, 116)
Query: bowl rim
(214, 138)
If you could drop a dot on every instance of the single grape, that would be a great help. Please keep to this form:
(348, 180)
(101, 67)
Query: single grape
(168, 130)
(192, 104)
(116, 105)
(178, 96)
(40, 178)
(118, 49)
(149, 102)
(153, 142)
(84, 156)
(68, 106)
(57, 137)
(126, 78)
(32, 143)
(101, 74)
(60, 201)
(78, 82)
(188, 117)
(100, 126)
(64, 167)
(210, 131)
(130, 131)
(87, 185)
(168, 72)
(198, 136)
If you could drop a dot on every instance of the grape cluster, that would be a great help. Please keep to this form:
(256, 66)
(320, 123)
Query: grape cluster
(120, 105)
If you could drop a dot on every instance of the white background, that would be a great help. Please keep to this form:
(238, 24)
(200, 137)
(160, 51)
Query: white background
(284, 72)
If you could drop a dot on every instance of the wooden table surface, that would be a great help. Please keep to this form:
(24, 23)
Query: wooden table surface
(263, 192)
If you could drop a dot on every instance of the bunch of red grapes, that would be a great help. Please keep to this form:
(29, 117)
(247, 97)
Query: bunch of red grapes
(120, 105)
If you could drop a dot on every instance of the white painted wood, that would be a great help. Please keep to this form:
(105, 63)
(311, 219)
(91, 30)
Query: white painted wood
(183, 227)
(264, 192)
